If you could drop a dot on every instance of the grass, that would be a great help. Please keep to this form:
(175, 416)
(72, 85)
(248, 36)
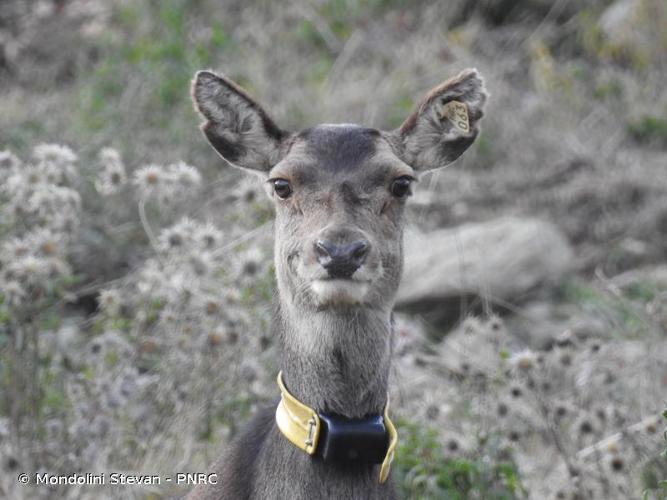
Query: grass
(608, 89)
(654, 473)
(422, 470)
(622, 312)
(151, 65)
(643, 291)
(54, 399)
(649, 129)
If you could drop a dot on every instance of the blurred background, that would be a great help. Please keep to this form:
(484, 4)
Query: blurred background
(136, 275)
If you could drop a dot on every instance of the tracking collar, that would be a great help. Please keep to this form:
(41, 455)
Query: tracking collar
(336, 438)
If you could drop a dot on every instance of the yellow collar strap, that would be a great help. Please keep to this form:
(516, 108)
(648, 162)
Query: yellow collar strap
(301, 425)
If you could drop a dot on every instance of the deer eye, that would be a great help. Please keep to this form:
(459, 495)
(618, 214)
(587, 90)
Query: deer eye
(282, 188)
(400, 187)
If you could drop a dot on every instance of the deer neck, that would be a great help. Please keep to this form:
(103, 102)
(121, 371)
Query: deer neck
(337, 360)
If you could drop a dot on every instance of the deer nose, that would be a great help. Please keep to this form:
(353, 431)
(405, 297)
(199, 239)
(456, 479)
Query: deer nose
(341, 261)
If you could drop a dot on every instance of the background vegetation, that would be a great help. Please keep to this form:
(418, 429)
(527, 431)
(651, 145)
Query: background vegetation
(135, 275)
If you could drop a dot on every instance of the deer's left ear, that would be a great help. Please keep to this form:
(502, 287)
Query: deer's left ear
(445, 123)
(236, 126)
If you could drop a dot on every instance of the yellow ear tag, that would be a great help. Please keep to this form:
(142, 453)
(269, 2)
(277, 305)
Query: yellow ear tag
(457, 113)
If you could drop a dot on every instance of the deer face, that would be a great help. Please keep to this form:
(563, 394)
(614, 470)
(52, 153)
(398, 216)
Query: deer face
(340, 194)
(340, 190)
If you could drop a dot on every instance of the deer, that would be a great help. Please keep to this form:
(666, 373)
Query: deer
(340, 193)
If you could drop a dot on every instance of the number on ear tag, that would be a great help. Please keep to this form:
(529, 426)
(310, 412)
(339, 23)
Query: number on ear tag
(457, 113)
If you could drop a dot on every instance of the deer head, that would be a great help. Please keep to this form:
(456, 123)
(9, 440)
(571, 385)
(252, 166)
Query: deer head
(339, 190)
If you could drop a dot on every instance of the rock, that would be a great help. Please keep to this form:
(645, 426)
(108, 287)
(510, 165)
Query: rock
(629, 27)
(629, 254)
(544, 324)
(538, 325)
(587, 328)
(615, 20)
(498, 261)
(655, 275)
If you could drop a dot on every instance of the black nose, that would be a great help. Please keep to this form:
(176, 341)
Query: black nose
(341, 261)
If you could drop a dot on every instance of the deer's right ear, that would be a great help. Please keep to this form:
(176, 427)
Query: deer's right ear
(236, 126)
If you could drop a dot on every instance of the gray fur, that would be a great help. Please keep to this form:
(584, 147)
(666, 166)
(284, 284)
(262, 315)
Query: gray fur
(336, 346)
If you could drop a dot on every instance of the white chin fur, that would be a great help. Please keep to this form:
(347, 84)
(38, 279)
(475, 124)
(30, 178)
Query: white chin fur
(339, 291)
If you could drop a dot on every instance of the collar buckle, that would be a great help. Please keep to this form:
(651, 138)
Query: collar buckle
(312, 424)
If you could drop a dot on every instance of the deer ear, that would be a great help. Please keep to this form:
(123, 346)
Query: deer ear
(236, 126)
(445, 123)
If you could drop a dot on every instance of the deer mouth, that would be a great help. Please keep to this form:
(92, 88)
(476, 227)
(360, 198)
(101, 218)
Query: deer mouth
(336, 291)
